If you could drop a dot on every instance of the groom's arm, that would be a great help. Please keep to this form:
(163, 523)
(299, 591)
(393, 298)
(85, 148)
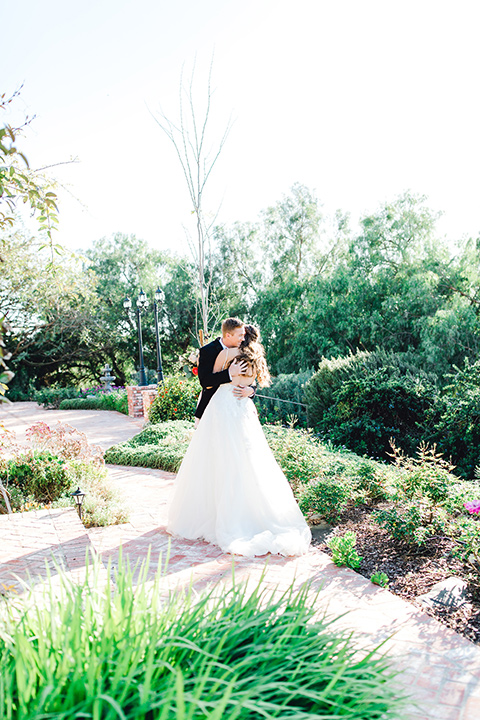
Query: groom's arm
(245, 391)
(206, 376)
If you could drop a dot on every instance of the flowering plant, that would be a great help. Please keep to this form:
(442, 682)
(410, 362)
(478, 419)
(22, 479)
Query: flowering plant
(189, 362)
(472, 507)
(99, 390)
(65, 441)
(176, 400)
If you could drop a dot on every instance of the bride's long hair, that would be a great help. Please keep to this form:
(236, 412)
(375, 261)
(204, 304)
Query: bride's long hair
(253, 353)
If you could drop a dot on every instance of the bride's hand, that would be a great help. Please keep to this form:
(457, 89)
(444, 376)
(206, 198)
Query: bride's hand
(237, 368)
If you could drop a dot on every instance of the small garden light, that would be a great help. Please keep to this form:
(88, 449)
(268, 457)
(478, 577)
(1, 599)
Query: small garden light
(78, 495)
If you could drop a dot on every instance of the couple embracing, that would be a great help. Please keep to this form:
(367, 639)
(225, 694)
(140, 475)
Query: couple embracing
(230, 490)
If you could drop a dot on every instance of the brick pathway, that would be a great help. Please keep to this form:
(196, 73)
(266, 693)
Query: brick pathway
(440, 668)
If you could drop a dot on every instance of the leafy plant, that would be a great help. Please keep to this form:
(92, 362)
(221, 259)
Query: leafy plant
(371, 410)
(468, 539)
(176, 400)
(371, 481)
(457, 418)
(344, 551)
(297, 452)
(60, 460)
(65, 441)
(116, 400)
(137, 652)
(326, 497)
(380, 578)
(426, 477)
(41, 476)
(50, 398)
(421, 498)
(322, 389)
(102, 504)
(404, 523)
(287, 400)
(160, 446)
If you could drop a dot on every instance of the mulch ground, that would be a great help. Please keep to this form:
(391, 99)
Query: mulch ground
(413, 571)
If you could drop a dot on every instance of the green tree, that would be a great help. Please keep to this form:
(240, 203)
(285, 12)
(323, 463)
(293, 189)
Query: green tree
(49, 309)
(19, 183)
(291, 234)
(379, 290)
(237, 269)
(122, 265)
(399, 232)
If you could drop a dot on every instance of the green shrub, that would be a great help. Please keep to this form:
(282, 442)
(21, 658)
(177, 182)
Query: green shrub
(288, 401)
(421, 496)
(161, 446)
(371, 481)
(138, 652)
(297, 452)
(405, 524)
(363, 399)
(456, 419)
(60, 461)
(102, 504)
(468, 539)
(326, 497)
(369, 411)
(116, 400)
(343, 550)
(176, 400)
(320, 390)
(42, 476)
(51, 398)
(461, 492)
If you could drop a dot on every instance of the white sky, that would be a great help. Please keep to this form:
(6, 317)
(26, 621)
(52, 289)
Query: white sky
(357, 99)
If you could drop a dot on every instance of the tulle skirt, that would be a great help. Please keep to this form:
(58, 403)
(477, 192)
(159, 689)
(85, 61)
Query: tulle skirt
(230, 490)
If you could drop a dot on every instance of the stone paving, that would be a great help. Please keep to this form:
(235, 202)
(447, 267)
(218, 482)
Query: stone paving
(440, 668)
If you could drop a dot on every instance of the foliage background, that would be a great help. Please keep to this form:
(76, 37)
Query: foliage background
(370, 330)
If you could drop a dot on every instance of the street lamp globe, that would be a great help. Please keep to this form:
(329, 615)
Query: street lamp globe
(127, 303)
(142, 301)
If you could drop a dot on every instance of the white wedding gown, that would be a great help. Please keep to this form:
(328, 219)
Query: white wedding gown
(230, 490)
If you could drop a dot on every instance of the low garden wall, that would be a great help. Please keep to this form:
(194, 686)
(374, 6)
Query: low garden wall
(140, 397)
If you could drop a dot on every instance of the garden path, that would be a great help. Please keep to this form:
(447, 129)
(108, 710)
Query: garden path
(440, 668)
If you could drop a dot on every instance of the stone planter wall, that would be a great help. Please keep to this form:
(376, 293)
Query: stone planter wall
(140, 397)
(148, 396)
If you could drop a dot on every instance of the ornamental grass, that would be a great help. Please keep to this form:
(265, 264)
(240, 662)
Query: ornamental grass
(130, 650)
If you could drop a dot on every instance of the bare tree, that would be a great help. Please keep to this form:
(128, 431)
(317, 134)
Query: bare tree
(189, 138)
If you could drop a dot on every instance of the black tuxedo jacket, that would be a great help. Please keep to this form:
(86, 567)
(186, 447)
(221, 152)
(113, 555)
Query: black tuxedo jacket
(208, 379)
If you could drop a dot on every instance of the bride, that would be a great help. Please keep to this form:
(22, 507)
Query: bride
(230, 490)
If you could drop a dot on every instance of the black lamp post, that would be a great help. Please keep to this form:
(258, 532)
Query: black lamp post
(78, 495)
(142, 303)
(159, 299)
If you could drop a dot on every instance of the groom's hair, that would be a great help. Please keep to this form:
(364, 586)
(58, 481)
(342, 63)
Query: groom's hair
(230, 324)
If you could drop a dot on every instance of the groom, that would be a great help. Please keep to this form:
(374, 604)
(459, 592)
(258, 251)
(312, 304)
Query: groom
(233, 332)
